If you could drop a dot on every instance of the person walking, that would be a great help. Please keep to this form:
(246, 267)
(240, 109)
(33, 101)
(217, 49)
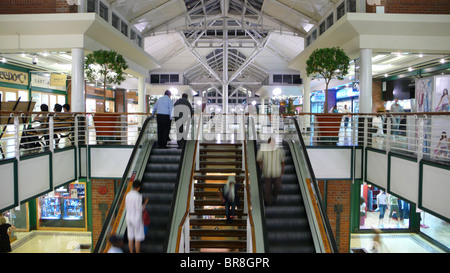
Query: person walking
(229, 197)
(396, 120)
(163, 109)
(179, 111)
(270, 158)
(135, 224)
(5, 232)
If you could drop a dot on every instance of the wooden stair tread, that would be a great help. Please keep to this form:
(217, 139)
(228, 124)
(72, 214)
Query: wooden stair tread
(220, 144)
(202, 156)
(217, 177)
(212, 193)
(219, 170)
(218, 232)
(217, 244)
(212, 186)
(217, 222)
(217, 150)
(238, 212)
(202, 203)
(220, 163)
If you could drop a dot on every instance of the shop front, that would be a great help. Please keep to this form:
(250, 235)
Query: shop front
(63, 209)
(349, 95)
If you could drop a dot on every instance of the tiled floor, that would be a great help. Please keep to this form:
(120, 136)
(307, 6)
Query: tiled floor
(80, 242)
(52, 242)
(394, 243)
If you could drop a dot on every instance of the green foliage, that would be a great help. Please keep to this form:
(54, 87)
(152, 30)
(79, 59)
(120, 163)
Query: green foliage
(105, 66)
(329, 63)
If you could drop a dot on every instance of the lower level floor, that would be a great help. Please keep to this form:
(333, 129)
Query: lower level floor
(81, 242)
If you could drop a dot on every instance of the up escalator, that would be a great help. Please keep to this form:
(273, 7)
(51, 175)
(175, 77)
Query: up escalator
(159, 172)
(158, 185)
(286, 223)
(296, 221)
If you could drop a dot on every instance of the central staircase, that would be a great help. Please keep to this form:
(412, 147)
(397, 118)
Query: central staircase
(209, 230)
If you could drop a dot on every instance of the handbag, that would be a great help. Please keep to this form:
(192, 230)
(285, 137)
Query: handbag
(145, 218)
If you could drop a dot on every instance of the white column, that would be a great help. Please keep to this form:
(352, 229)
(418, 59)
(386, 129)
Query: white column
(365, 81)
(78, 103)
(306, 81)
(141, 100)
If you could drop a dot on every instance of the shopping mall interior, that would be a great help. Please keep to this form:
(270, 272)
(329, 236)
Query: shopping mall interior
(365, 147)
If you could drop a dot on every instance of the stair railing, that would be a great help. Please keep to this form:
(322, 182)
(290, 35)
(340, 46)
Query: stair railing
(251, 242)
(183, 237)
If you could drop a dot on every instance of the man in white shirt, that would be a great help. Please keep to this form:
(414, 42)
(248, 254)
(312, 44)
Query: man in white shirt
(163, 109)
(271, 162)
(135, 225)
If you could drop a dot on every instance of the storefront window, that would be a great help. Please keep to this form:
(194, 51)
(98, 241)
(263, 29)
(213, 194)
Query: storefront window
(435, 228)
(63, 208)
(382, 210)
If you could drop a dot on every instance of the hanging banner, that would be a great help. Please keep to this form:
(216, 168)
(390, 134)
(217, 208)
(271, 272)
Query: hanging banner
(58, 79)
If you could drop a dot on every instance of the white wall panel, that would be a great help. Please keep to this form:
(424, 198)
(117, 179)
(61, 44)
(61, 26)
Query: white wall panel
(376, 168)
(34, 176)
(109, 162)
(63, 167)
(331, 163)
(404, 179)
(436, 189)
(7, 178)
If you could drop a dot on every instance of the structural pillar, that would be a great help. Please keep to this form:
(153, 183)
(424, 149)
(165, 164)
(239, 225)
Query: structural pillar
(78, 102)
(306, 81)
(141, 101)
(365, 81)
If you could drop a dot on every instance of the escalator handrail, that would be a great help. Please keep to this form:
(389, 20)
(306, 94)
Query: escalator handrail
(249, 202)
(120, 191)
(319, 202)
(186, 213)
(251, 124)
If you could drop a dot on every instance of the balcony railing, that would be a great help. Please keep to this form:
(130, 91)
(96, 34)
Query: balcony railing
(421, 135)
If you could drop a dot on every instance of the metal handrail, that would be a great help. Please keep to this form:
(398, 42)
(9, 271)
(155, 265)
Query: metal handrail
(120, 194)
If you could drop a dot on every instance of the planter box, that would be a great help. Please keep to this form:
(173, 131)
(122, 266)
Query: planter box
(327, 126)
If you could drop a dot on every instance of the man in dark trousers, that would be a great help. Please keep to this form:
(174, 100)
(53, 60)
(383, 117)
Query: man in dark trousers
(182, 107)
(163, 108)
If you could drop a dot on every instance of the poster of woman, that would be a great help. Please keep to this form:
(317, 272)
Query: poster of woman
(441, 97)
(423, 94)
(440, 142)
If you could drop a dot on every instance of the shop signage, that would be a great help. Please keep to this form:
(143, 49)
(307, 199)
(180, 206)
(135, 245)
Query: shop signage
(58, 79)
(44, 82)
(346, 93)
(12, 76)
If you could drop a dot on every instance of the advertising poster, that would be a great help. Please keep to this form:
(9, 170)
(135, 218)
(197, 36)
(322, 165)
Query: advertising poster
(440, 98)
(440, 138)
(424, 94)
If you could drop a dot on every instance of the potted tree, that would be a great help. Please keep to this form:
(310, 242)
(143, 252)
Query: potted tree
(107, 67)
(328, 63)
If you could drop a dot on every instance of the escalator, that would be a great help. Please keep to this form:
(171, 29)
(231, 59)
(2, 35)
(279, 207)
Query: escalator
(158, 184)
(296, 221)
(287, 224)
(159, 172)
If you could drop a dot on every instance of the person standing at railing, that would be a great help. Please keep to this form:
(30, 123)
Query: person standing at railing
(163, 109)
(346, 117)
(396, 119)
(182, 107)
(270, 158)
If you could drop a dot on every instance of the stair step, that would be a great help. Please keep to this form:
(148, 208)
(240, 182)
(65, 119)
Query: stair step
(219, 170)
(218, 232)
(223, 156)
(203, 163)
(220, 144)
(217, 222)
(217, 244)
(221, 212)
(211, 185)
(212, 193)
(217, 177)
(217, 150)
(201, 203)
